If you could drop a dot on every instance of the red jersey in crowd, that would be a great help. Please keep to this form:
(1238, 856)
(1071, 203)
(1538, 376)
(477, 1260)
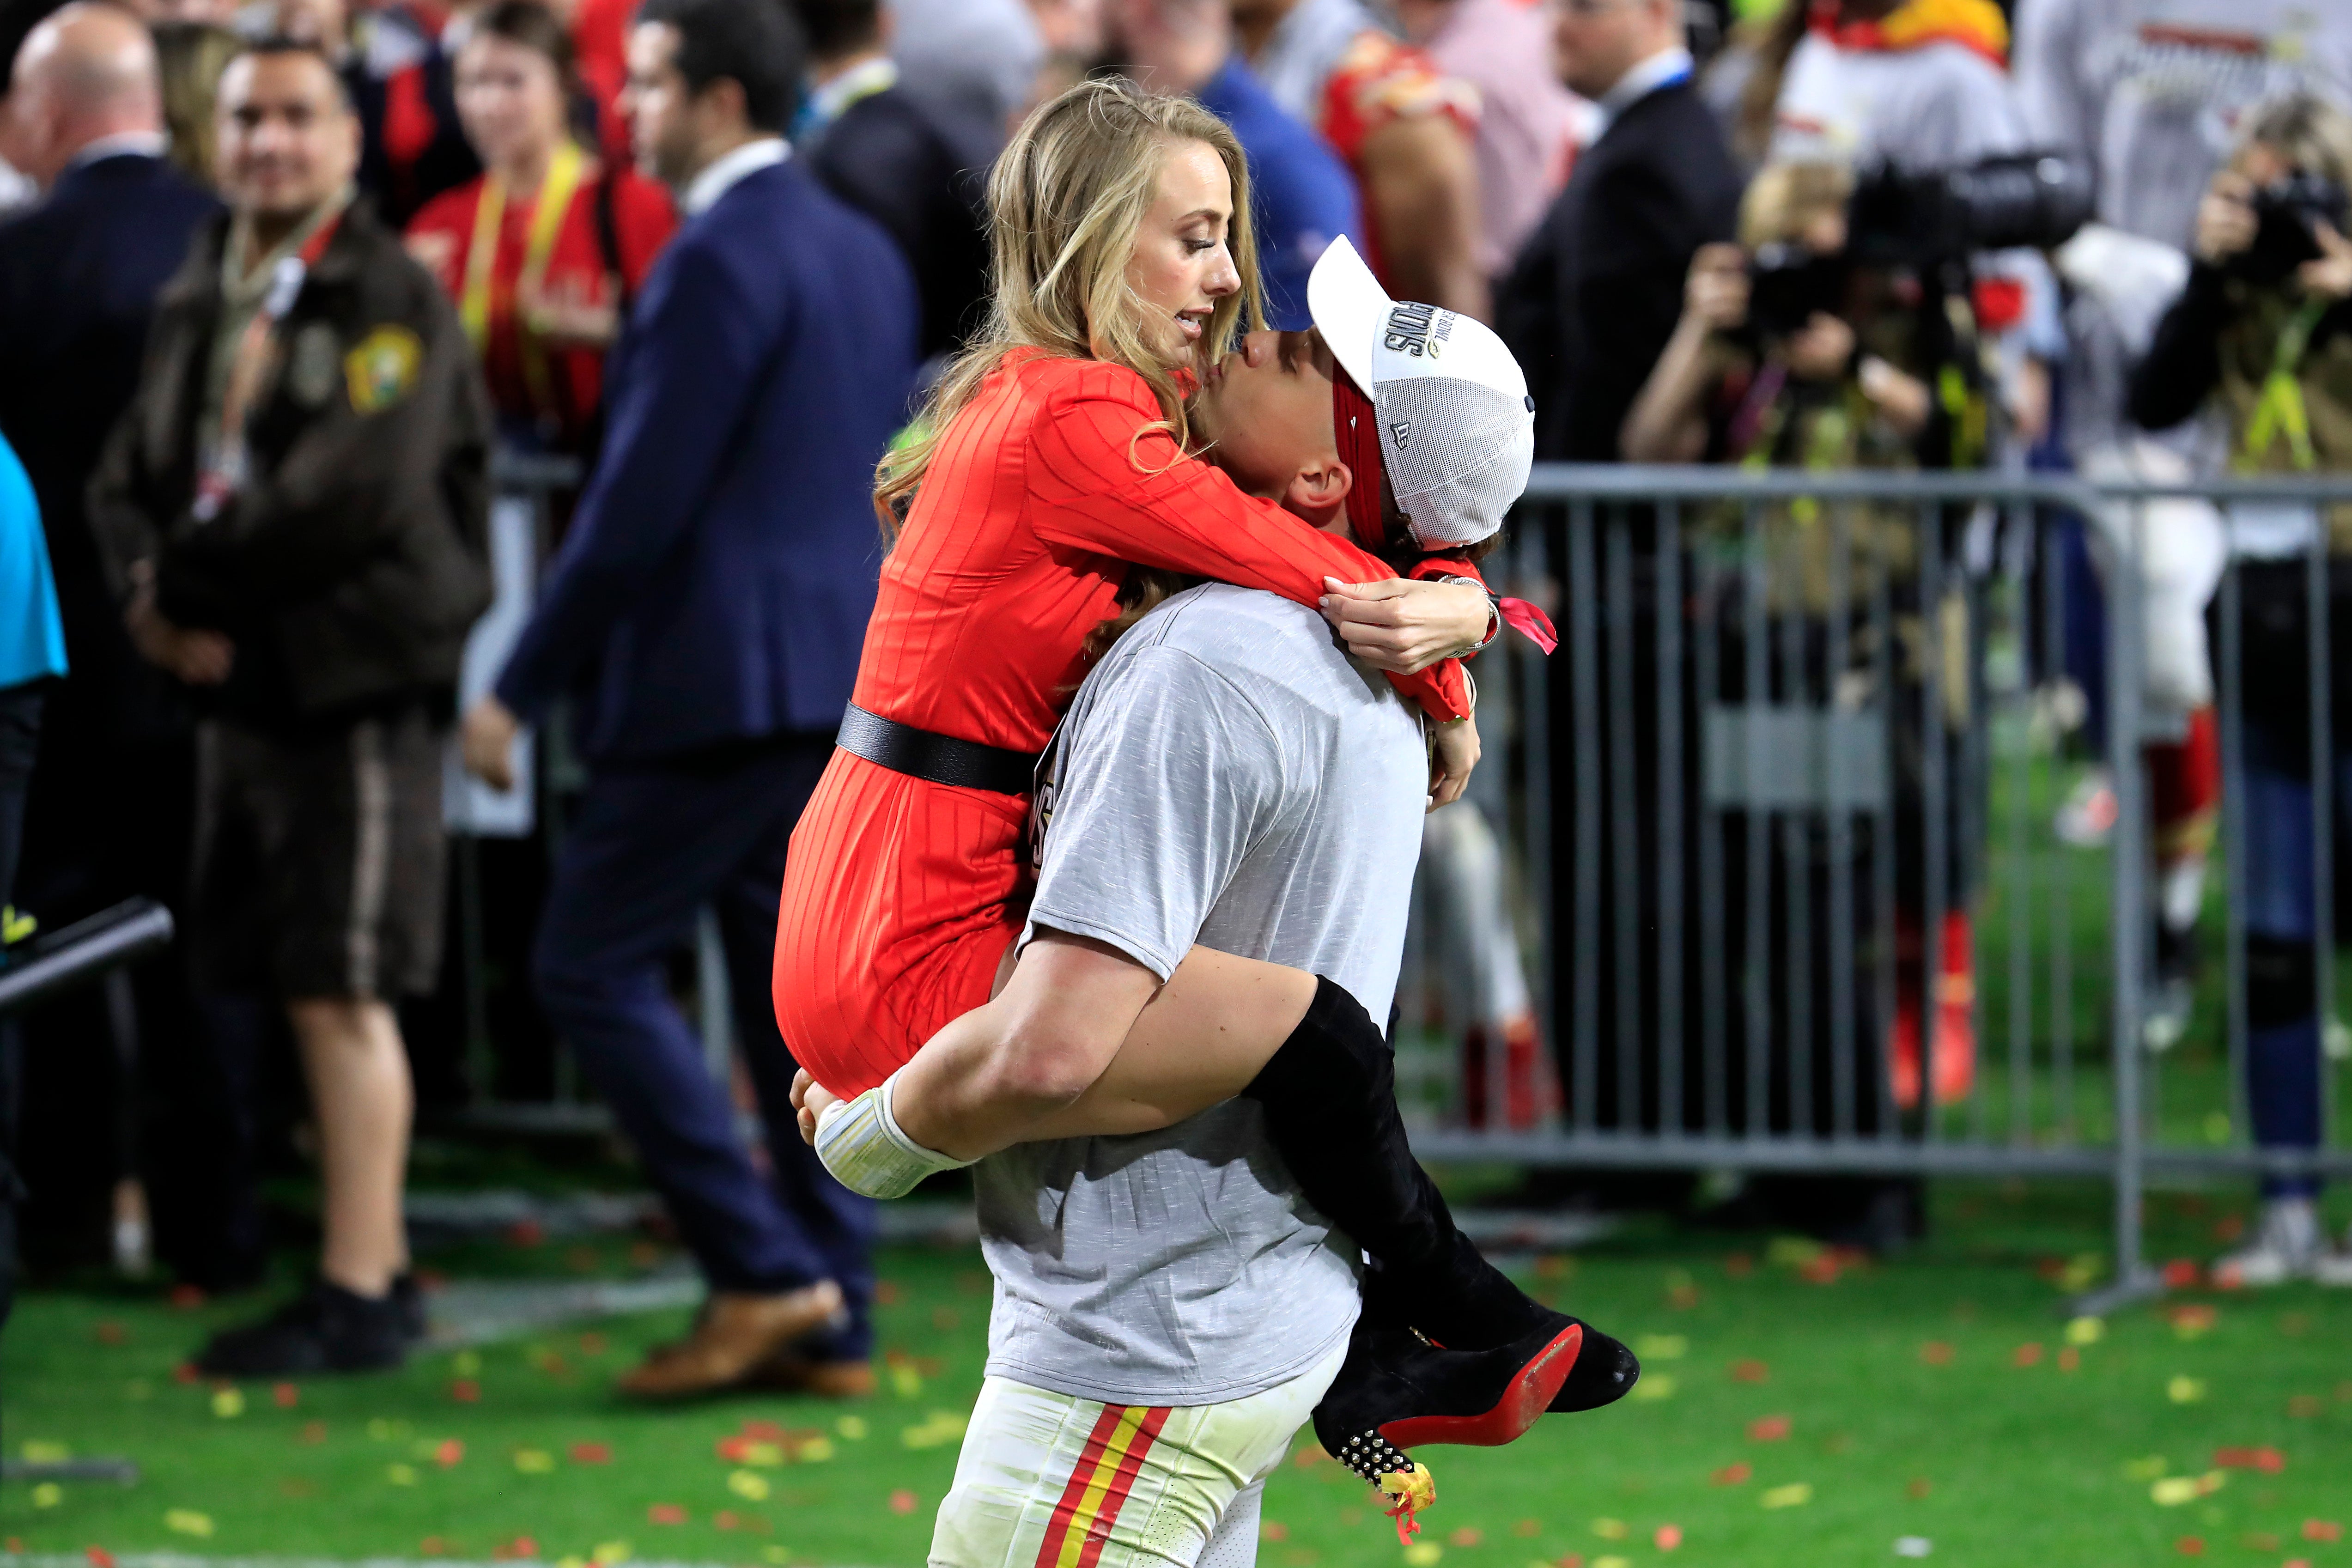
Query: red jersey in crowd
(566, 257)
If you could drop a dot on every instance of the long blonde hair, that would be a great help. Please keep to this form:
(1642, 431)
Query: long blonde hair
(1066, 200)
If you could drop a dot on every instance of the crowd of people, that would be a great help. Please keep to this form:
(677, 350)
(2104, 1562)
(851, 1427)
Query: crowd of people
(281, 284)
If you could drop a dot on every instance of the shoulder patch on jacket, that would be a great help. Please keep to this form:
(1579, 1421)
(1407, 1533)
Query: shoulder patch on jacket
(381, 369)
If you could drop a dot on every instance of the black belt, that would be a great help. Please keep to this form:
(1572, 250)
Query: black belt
(935, 759)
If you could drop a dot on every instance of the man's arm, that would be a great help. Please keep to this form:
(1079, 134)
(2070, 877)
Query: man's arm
(697, 343)
(1421, 193)
(1169, 775)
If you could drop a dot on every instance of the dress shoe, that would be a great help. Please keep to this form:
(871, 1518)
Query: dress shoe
(735, 1335)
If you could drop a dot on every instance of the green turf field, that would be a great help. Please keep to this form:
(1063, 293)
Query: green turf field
(1797, 1411)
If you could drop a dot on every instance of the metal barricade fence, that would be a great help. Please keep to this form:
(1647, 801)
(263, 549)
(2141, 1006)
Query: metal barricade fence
(1780, 807)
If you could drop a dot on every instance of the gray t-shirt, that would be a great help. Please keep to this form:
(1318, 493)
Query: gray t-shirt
(1227, 777)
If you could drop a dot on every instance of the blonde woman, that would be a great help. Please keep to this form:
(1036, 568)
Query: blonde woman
(1055, 460)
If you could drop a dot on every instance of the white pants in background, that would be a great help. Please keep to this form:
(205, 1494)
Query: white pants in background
(1045, 1475)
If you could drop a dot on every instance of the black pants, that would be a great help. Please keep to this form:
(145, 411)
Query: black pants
(20, 736)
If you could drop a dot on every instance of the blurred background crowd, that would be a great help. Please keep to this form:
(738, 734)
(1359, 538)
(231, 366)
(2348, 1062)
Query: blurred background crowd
(388, 386)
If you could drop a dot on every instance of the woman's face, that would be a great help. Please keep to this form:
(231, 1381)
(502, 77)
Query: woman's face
(1182, 265)
(509, 98)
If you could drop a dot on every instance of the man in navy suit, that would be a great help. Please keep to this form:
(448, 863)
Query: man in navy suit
(706, 609)
(112, 798)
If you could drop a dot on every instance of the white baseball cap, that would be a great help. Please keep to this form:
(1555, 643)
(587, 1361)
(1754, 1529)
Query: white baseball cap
(1457, 430)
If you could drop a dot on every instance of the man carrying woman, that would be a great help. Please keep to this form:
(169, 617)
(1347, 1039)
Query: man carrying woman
(1056, 454)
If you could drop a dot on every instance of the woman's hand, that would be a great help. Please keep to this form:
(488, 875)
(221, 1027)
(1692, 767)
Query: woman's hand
(2225, 218)
(1821, 349)
(1715, 295)
(1903, 399)
(2331, 275)
(565, 319)
(809, 1099)
(1453, 753)
(1405, 626)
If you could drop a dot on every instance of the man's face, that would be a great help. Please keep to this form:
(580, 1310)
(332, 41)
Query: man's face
(1266, 407)
(287, 141)
(659, 109)
(1595, 42)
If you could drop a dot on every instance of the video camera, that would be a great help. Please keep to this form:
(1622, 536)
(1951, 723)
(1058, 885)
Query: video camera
(2287, 215)
(2034, 200)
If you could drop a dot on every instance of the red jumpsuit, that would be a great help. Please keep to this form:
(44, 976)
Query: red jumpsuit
(896, 891)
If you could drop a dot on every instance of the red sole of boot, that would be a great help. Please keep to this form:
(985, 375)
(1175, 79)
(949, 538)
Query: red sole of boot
(1523, 1403)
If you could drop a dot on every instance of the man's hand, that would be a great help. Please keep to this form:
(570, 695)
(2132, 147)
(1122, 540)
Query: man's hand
(810, 1099)
(2225, 218)
(1405, 626)
(1903, 399)
(1715, 295)
(1453, 754)
(487, 740)
(2331, 275)
(189, 654)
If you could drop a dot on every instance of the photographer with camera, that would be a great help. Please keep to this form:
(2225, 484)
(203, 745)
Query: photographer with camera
(2263, 332)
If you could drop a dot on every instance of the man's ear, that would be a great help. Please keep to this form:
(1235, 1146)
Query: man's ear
(1320, 489)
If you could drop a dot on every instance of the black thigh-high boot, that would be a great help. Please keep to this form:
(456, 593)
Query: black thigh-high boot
(1330, 1095)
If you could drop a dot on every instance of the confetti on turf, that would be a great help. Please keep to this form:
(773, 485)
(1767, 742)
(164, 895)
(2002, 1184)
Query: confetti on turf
(611, 1551)
(2150, 1469)
(466, 1391)
(2268, 1460)
(1421, 1553)
(111, 1334)
(187, 1298)
(1611, 1562)
(1766, 1429)
(1661, 1347)
(187, 1521)
(2081, 1270)
(945, 1426)
(853, 1428)
(1272, 1529)
(2069, 1359)
(534, 1461)
(739, 1449)
(2026, 1355)
(1750, 1372)
(285, 1395)
(2321, 1530)
(449, 1452)
(1466, 1535)
(665, 1513)
(228, 1403)
(2303, 1407)
(2191, 1546)
(2192, 1321)
(1919, 1486)
(592, 1453)
(314, 1432)
(2086, 1330)
(902, 1501)
(750, 1484)
(185, 1373)
(2184, 1389)
(1526, 1528)
(41, 1451)
(904, 1381)
(776, 1555)
(465, 1363)
(1667, 1537)
(100, 1557)
(401, 1475)
(1913, 1546)
(49, 1494)
(1796, 1494)
(1611, 1529)
(2173, 1490)
(1733, 1475)
(1657, 1385)
(1936, 1352)
(2182, 1274)
(1740, 1266)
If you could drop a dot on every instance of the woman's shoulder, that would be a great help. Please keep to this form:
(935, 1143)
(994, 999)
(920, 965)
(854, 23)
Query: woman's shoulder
(450, 212)
(1060, 378)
